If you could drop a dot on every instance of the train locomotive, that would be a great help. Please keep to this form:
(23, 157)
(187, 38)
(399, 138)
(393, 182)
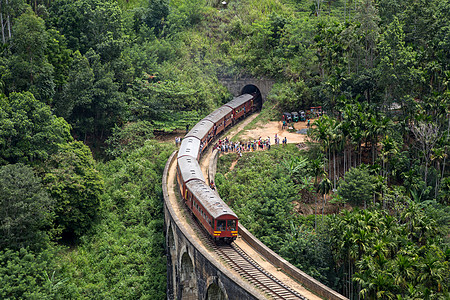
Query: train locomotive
(212, 212)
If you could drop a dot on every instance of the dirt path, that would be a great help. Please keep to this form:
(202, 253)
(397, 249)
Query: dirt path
(267, 130)
(271, 128)
(204, 161)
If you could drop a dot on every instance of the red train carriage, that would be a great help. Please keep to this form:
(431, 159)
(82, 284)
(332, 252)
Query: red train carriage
(221, 118)
(190, 146)
(241, 105)
(214, 215)
(188, 169)
(203, 130)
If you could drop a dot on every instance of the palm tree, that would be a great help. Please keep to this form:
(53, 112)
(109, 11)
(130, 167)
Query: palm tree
(319, 132)
(405, 269)
(294, 166)
(317, 169)
(389, 148)
(433, 271)
(438, 155)
(345, 133)
(324, 188)
(335, 137)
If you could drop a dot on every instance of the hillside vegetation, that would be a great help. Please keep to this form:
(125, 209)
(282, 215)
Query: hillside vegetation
(86, 87)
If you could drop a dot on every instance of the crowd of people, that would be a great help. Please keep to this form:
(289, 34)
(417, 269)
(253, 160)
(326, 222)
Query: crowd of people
(225, 145)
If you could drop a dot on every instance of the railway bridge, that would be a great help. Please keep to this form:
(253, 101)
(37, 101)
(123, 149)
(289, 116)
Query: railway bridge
(194, 272)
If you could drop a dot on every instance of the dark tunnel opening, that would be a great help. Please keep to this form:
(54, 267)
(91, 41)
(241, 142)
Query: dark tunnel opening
(252, 89)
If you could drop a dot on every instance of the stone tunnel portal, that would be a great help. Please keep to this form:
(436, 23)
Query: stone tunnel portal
(250, 89)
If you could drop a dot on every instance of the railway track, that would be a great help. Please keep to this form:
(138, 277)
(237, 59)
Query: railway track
(246, 267)
(254, 273)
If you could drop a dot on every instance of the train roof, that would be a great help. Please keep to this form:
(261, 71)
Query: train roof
(238, 101)
(200, 129)
(189, 146)
(209, 199)
(218, 114)
(190, 169)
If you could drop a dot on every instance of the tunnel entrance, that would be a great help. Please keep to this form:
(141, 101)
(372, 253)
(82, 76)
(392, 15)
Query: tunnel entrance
(214, 292)
(253, 89)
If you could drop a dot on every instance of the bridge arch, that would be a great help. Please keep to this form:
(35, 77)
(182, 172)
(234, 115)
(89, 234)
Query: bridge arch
(171, 259)
(188, 279)
(215, 290)
(171, 241)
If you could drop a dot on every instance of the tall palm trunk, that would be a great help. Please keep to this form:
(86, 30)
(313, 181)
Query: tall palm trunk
(329, 161)
(345, 158)
(323, 205)
(437, 181)
(1, 24)
(334, 170)
(315, 213)
(8, 22)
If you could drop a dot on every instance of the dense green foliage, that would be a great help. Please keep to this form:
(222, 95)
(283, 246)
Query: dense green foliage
(115, 73)
(28, 129)
(263, 192)
(391, 256)
(123, 256)
(375, 253)
(28, 275)
(76, 186)
(26, 210)
(358, 187)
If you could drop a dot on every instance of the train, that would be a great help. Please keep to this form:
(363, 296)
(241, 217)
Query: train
(216, 217)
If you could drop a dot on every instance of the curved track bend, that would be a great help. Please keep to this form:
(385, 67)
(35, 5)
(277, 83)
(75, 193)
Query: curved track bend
(239, 258)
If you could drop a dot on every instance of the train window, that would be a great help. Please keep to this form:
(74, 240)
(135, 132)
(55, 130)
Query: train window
(231, 225)
(220, 225)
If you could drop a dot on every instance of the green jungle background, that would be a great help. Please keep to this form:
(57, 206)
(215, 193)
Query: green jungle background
(93, 92)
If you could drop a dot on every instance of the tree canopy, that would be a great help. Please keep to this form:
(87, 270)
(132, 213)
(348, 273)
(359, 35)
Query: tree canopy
(29, 131)
(26, 210)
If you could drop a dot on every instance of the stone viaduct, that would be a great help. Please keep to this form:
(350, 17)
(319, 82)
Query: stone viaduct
(192, 273)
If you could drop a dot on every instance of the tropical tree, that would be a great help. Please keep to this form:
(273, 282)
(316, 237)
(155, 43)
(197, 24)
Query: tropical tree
(26, 210)
(358, 186)
(324, 188)
(29, 132)
(28, 65)
(427, 135)
(397, 65)
(75, 185)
